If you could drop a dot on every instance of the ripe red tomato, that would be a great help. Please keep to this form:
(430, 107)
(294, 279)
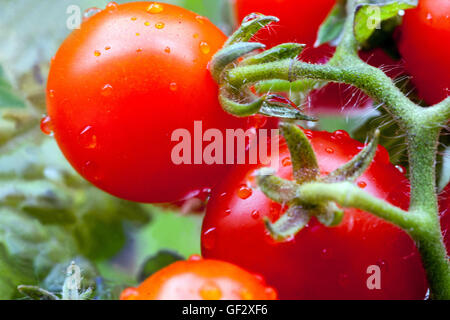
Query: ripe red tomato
(444, 209)
(319, 262)
(199, 279)
(424, 43)
(299, 19)
(121, 85)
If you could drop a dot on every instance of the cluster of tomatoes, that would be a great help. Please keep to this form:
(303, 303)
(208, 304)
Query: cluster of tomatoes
(132, 74)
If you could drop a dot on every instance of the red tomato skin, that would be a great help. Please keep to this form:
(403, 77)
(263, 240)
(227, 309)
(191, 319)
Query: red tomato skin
(319, 262)
(200, 279)
(121, 85)
(424, 43)
(299, 19)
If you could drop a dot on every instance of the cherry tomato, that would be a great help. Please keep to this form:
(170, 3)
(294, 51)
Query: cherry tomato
(424, 43)
(121, 85)
(444, 209)
(319, 262)
(199, 279)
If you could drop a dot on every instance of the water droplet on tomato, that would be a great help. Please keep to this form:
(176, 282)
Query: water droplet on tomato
(329, 150)
(362, 184)
(227, 212)
(173, 86)
(340, 134)
(133, 18)
(195, 257)
(97, 53)
(146, 23)
(204, 47)
(286, 162)
(137, 34)
(244, 192)
(108, 48)
(325, 253)
(107, 90)
(209, 238)
(159, 25)
(155, 8)
(112, 6)
(200, 19)
(87, 138)
(167, 50)
(51, 93)
(46, 125)
(210, 291)
(255, 214)
(139, 50)
(400, 168)
(89, 13)
(196, 35)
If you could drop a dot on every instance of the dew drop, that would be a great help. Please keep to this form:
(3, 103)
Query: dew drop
(87, 138)
(251, 17)
(340, 134)
(210, 291)
(255, 214)
(400, 168)
(173, 86)
(89, 13)
(112, 5)
(167, 50)
(329, 150)
(51, 93)
(107, 90)
(227, 212)
(108, 48)
(133, 18)
(46, 125)
(155, 8)
(146, 23)
(209, 238)
(97, 53)
(200, 19)
(196, 35)
(159, 25)
(139, 50)
(195, 257)
(204, 47)
(325, 253)
(137, 34)
(244, 192)
(362, 184)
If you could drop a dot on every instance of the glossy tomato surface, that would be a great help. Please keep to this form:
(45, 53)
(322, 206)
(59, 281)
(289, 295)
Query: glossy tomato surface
(319, 262)
(424, 43)
(299, 19)
(119, 87)
(200, 279)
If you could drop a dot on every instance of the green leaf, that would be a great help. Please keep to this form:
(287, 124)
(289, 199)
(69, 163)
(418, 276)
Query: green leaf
(369, 15)
(331, 29)
(161, 259)
(9, 98)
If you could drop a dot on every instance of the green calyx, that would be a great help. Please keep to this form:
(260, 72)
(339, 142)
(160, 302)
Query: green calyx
(237, 51)
(306, 171)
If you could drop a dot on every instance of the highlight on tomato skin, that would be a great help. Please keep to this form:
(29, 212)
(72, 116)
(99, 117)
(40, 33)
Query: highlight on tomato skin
(201, 279)
(319, 262)
(122, 84)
